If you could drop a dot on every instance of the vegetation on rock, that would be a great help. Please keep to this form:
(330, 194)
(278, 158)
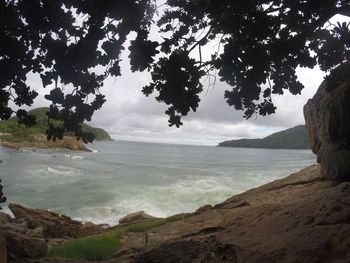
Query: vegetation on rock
(11, 131)
(103, 246)
(293, 138)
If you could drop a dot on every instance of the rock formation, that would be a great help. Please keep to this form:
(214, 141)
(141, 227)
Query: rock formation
(30, 233)
(300, 218)
(327, 117)
(137, 217)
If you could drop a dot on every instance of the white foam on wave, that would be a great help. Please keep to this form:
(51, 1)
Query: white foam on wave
(64, 172)
(111, 214)
(74, 156)
(163, 200)
(92, 150)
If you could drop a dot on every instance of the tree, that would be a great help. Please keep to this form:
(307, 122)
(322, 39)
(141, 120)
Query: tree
(259, 46)
(74, 45)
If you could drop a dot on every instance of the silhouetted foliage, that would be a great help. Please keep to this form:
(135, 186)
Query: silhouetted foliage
(2, 197)
(75, 45)
(257, 47)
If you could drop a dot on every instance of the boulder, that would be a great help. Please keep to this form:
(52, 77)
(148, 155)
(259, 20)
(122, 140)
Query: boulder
(5, 218)
(328, 124)
(22, 243)
(53, 224)
(90, 228)
(300, 218)
(3, 249)
(137, 217)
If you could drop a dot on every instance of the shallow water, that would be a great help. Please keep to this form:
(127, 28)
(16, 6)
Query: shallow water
(124, 177)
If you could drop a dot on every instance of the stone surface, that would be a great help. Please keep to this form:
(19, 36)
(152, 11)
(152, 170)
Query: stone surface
(327, 118)
(5, 218)
(207, 250)
(300, 218)
(52, 224)
(3, 249)
(20, 244)
(40, 141)
(137, 217)
(28, 235)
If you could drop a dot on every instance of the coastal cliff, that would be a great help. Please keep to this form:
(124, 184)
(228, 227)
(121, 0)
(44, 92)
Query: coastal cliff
(300, 218)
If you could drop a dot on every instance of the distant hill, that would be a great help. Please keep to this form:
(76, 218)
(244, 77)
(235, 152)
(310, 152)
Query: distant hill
(293, 138)
(10, 131)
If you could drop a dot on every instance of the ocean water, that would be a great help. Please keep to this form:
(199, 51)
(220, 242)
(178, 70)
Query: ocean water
(119, 178)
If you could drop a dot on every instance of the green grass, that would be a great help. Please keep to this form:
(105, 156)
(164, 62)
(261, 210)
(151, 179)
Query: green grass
(90, 248)
(103, 246)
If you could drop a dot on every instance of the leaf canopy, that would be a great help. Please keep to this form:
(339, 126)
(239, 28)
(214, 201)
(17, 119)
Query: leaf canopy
(75, 45)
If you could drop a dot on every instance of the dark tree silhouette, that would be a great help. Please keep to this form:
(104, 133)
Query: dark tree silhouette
(2, 197)
(259, 44)
(74, 45)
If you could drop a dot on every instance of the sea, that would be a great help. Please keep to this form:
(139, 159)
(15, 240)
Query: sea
(120, 177)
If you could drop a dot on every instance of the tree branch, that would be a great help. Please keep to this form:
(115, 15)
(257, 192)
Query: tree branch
(199, 41)
(345, 11)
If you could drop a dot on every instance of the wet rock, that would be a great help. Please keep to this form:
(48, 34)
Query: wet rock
(137, 217)
(328, 124)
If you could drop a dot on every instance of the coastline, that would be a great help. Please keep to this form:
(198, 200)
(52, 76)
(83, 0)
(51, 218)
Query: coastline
(275, 222)
(40, 142)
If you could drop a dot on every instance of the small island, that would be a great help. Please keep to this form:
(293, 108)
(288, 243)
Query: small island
(18, 136)
(293, 138)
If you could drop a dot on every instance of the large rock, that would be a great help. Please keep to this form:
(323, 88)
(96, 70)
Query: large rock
(300, 218)
(3, 249)
(23, 243)
(137, 217)
(327, 117)
(53, 225)
(206, 250)
(5, 218)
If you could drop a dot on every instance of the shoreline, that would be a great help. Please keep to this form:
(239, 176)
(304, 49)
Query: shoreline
(281, 221)
(40, 142)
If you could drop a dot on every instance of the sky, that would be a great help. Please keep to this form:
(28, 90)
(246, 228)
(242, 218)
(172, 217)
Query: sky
(129, 115)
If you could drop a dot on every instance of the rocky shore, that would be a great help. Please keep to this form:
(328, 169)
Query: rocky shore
(301, 218)
(40, 142)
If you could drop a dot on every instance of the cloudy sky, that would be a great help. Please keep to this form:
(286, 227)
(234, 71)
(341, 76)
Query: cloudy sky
(129, 115)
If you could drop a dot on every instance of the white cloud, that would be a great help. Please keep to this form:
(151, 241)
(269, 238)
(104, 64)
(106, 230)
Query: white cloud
(129, 115)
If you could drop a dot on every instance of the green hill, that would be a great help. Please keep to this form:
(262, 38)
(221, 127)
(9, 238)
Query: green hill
(11, 131)
(293, 138)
